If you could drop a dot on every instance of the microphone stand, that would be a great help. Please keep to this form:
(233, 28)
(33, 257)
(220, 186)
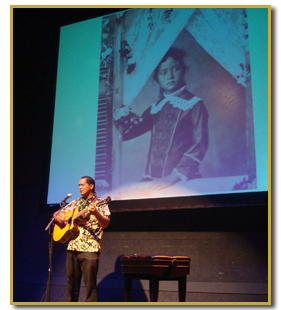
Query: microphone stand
(62, 205)
(50, 226)
(50, 269)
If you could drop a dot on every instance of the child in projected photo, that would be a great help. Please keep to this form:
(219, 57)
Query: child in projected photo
(178, 123)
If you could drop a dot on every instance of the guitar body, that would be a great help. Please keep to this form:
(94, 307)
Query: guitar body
(73, 219)
(71, 229)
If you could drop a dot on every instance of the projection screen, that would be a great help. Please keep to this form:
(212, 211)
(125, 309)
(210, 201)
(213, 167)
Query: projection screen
(204, 132)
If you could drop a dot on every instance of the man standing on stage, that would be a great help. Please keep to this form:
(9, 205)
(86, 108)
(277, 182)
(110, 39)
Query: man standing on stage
(84, 248)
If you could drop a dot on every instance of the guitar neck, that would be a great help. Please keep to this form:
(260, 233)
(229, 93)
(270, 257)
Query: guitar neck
(80, 213)
(86, 208)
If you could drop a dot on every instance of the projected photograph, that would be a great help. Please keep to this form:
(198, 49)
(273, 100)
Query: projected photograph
(175, 113)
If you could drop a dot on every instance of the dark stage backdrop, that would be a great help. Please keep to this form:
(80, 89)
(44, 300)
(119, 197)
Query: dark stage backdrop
(97, 64)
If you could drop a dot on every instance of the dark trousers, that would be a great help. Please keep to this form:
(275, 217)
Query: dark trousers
(78, 263)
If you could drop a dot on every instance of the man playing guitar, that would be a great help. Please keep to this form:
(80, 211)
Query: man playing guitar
(81, 222)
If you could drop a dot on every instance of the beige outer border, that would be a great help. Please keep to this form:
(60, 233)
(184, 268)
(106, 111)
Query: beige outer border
(269, 157)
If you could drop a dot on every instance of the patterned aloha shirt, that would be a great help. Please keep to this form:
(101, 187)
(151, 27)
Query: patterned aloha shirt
(89, 234)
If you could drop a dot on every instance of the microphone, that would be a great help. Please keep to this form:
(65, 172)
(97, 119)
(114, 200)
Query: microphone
(68, 196)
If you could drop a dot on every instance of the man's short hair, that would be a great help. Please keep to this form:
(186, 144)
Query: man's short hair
(89, 180)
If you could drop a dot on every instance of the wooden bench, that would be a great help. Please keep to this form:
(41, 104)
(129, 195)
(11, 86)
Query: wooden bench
(155, 268)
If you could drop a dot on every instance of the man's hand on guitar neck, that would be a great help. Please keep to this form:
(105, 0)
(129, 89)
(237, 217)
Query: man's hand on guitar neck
(60, 219)
(103, 221)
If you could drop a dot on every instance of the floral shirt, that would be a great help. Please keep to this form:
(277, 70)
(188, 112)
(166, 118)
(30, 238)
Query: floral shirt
(89, 233)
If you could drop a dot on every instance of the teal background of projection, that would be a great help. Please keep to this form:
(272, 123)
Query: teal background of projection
(75, 119)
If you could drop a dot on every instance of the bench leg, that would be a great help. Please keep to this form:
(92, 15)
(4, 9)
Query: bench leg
(182, 288)
(153, 289)
(128, 288)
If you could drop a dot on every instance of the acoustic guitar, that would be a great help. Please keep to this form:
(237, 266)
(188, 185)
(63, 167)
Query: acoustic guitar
(73, 219)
